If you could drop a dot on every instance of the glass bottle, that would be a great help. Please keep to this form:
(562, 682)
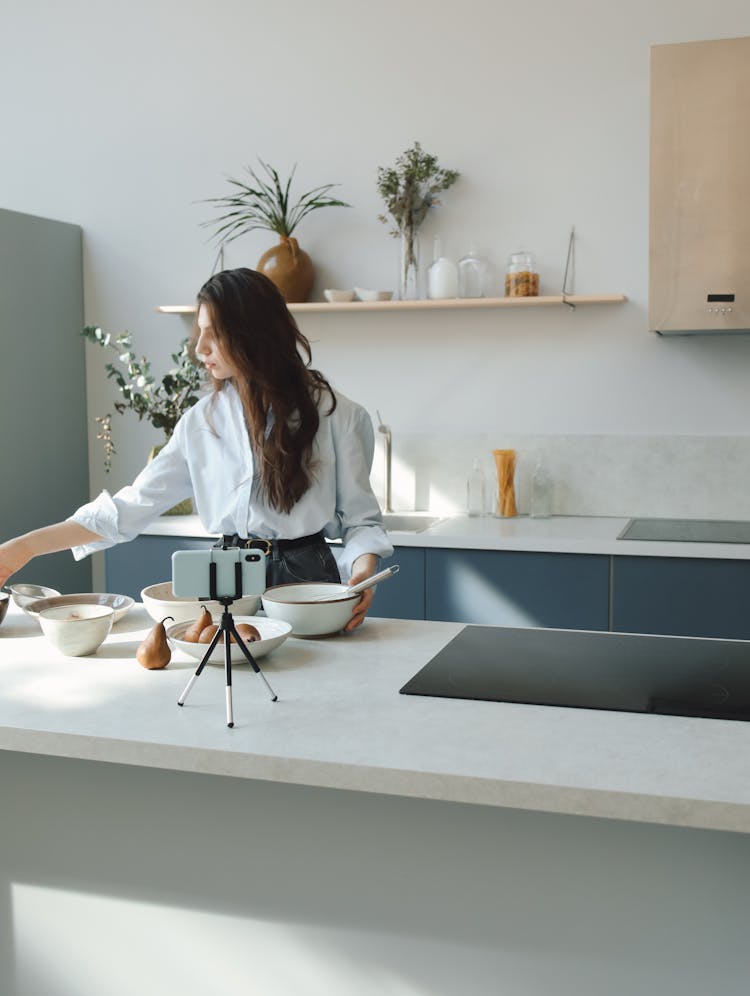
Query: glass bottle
(442, 276)
(476, 491)
(541, 492)
(471, 270)
(521, 277)
(408, 274)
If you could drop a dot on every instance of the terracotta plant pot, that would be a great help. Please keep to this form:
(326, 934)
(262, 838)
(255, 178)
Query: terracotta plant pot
(290, 268)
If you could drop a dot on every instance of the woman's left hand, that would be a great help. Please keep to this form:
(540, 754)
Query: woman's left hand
(363, 567)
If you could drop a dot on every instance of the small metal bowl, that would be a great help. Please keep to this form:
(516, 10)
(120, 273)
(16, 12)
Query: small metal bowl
(4, 603)
(25, 594)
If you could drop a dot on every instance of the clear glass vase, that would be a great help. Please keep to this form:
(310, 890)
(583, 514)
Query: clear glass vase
(408, 273)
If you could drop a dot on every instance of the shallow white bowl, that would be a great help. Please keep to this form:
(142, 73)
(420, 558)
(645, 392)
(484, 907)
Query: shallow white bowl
(160, 603)
(338, 295)
(291, 602)
(120, 604)
(76, 630)
(372, 295)
(273, 632)
(25, 594)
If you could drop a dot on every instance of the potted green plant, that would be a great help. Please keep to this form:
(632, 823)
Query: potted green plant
(410, 189)
(258, 203)
(160, 403)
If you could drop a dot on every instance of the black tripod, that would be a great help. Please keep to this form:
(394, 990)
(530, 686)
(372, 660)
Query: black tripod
(229, 630)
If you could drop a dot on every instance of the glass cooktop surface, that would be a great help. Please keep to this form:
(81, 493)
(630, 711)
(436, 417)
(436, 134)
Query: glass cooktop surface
(687, 530)
(626, 672)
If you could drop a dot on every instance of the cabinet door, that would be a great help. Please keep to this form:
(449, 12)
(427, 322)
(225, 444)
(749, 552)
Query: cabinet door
(402, 596)
(130, 567)
(43, 444)
(564, 591)
(681, 597)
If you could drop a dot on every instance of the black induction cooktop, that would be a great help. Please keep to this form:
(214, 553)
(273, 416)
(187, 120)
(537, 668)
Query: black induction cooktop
(687, 530)
(625, 672)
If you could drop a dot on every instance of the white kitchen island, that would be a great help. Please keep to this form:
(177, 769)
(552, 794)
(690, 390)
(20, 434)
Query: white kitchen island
(350, 840)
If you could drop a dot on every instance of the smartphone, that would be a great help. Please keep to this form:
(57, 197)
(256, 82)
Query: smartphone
(236, 573)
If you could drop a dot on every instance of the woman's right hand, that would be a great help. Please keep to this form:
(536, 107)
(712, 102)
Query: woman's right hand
(14, 554)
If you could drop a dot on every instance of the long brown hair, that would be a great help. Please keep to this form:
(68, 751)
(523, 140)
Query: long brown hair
(259, 336)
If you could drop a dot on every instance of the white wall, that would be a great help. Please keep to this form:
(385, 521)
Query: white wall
(123, 117)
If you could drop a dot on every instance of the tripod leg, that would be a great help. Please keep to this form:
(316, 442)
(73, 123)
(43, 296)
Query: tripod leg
(228, 672)
(251, 660)
(181, 700)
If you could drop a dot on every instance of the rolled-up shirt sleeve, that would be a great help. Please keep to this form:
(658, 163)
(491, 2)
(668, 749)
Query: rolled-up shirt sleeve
(117, 518)
(357, 509)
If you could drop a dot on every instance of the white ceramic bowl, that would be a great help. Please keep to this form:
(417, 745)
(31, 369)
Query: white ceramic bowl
(77, 630)
(120, 604)
(372, 295)
(160, 602)
(338, 295)
(25, 594)
(291, 602)
(273, 632)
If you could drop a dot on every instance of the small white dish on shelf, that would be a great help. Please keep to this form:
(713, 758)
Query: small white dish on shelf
(337, 296)
(372, 295)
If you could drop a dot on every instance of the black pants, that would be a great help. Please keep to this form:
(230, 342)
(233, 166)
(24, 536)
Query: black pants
(290, 561)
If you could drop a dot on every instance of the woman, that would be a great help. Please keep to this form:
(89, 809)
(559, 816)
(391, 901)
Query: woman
(272, 456)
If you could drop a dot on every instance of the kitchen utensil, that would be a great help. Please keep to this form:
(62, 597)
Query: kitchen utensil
(356, 589)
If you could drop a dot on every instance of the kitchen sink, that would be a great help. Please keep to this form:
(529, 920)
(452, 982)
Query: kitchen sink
(408, 522)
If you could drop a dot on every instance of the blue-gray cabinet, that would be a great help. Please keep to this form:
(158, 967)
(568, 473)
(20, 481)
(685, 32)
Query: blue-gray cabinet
(131, 567)
(43, 443)
(509, 588)
(403, 595)
(669, 595)
(681, 596)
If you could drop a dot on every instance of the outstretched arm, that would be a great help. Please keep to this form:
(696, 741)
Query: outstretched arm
(15, 553)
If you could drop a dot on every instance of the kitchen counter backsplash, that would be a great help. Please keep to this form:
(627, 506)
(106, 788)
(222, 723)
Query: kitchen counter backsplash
(657, 476)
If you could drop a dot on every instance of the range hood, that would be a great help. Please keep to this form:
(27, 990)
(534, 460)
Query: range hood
(699, 273)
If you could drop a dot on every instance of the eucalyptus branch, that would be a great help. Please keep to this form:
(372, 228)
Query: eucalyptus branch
(410, 189)
(162, 404)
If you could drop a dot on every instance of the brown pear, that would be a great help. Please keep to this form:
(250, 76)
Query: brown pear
(194, 630)
(154, 652)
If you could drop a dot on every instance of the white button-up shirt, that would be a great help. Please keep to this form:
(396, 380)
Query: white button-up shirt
(209, 459)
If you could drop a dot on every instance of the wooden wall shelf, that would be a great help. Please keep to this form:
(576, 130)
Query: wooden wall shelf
(572, 300)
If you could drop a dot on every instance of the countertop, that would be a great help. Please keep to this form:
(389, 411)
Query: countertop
(340, 723)
(558, 534)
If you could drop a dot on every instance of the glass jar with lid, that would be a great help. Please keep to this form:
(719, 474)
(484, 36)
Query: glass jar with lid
(521, 277)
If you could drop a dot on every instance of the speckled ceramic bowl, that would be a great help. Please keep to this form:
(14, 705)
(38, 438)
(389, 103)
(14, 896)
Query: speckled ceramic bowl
(119, 603)
(160, 602)
(291, 602)
(76, 630)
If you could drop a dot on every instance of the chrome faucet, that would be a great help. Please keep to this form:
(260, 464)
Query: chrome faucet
(387, 433)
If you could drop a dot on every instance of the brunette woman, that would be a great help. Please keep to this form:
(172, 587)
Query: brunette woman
(272, 457)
